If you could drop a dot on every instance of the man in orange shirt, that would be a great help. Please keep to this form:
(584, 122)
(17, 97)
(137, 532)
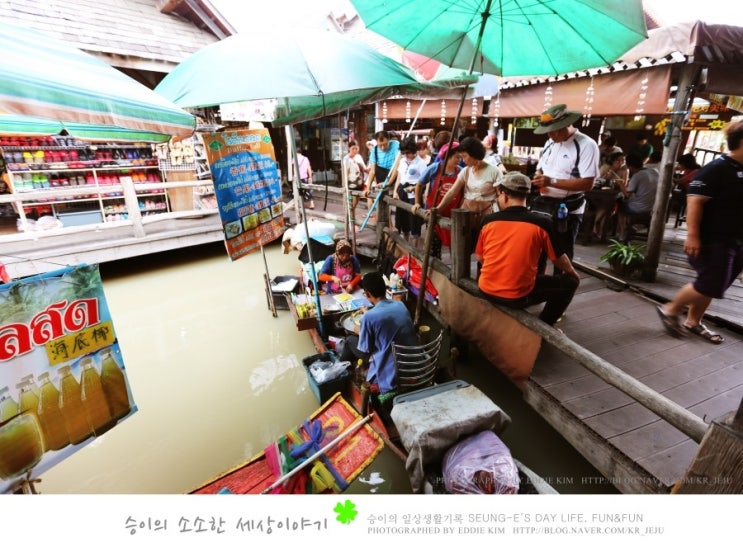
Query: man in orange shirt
(509, 246)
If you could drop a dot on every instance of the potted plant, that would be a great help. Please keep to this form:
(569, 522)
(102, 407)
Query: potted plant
(624, 258)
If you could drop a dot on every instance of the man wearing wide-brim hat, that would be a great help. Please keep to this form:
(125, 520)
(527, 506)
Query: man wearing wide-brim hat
(509, 246)
(567, 167)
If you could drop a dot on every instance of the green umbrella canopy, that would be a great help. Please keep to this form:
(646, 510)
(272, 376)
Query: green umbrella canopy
(48, 86)
(311, 73)
(510, 37)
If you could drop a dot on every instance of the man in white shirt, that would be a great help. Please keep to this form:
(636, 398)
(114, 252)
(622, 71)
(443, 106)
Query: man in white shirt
(568, 167)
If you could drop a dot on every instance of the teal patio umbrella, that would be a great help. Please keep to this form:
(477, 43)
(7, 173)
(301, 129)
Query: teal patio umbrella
(510, 37)
(309, 72)
(47, 86)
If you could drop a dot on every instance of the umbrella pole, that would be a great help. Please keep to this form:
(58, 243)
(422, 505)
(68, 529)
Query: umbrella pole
(424, 269)
(313, 274)
(267, 277)
(415, 120)
(469, 72)
(381, 192)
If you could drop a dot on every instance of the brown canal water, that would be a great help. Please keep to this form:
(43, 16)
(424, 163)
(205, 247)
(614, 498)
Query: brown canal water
(216, 378)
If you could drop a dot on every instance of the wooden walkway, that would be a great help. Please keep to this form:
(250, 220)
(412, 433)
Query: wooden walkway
(635, 449)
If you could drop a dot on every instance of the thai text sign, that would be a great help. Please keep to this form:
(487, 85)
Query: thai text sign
(247, 188)
(62, 378)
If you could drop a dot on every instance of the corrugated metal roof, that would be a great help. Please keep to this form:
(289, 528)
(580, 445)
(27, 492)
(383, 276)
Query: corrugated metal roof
(127, 29)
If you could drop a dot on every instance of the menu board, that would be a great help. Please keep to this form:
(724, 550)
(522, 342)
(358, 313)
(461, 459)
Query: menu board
(247, 188)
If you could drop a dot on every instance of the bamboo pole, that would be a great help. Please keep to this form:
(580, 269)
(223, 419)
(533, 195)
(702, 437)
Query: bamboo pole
(433, 213)
(348, 432)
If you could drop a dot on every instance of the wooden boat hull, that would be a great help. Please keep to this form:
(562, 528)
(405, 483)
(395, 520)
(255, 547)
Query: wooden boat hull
(347, 459)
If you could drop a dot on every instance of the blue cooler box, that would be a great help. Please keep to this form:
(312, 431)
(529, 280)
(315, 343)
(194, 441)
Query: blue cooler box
(323, 391)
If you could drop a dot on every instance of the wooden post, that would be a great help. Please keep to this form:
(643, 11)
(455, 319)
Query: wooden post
(459, 232)
(718, 464)
(132, 206)
(424, 269)
(681, 108)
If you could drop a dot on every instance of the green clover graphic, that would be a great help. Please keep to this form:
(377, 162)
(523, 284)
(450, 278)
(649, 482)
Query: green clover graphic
(346, 512)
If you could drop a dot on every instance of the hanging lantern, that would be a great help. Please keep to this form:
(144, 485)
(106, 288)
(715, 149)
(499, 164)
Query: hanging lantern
(384, 112)
(640, 109)
(588, 107)
(407, 111)
(548, 97)
(474, 111)
(443, 112)
(496, 112)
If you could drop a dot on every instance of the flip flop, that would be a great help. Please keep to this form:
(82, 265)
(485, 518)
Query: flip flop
(671, 323)
(703, 331)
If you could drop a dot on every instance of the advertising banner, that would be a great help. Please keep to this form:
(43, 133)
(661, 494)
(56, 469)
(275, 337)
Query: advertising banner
(62, 377)
(247, 188)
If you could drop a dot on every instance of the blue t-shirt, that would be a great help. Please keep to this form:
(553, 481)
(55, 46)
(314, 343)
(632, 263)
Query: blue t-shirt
(386, 323)
(384, 159)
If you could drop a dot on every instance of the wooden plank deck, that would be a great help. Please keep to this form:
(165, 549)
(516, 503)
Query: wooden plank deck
(629, 444)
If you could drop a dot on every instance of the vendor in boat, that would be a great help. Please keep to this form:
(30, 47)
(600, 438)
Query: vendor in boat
(387, 322)
(341, 271)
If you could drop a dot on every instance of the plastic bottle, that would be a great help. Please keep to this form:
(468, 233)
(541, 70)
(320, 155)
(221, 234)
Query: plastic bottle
(50, 416)
(562, 218)
(93, 398)
(114, 385)
(71, 406)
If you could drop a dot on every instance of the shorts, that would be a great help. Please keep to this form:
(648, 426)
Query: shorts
(717, 267)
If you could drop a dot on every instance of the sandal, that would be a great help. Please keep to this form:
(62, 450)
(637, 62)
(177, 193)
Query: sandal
(671, 323)
(703, 331)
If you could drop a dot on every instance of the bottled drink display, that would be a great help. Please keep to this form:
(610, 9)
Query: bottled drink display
(50, 416)
(71, 407)
(114, 385)
(94, 399)
(8, 405)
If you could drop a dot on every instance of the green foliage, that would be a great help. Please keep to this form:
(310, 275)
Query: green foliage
(624, 256)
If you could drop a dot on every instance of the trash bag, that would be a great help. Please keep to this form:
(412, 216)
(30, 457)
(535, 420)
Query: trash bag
(480, 464)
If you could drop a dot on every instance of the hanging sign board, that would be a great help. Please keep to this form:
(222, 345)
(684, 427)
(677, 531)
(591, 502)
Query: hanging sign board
(62, 377)
(247, 188)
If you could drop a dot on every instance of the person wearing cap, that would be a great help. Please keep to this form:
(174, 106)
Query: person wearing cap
(510, 244)
(567, 167)
(341, 271)
(433, 185)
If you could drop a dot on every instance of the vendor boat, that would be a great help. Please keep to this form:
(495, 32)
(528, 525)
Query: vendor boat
(322, 455)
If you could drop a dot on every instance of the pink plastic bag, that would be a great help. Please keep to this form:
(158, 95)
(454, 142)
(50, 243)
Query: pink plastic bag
(480, 464)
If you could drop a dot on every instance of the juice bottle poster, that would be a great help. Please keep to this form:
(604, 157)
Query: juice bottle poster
(247, 188)
(51, 327)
